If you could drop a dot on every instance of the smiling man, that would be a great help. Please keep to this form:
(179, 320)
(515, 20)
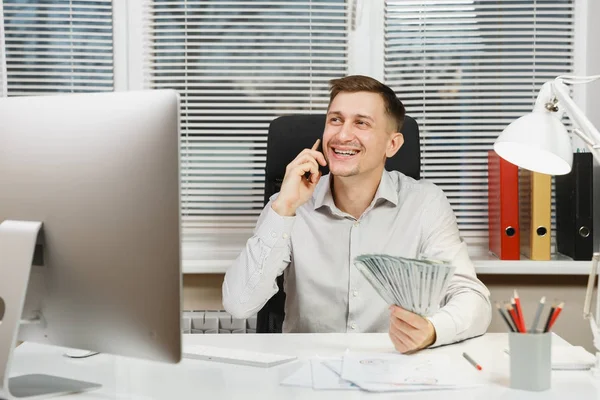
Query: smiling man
(314, 227)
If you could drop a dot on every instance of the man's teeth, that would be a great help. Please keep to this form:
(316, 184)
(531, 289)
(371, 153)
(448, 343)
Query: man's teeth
(346, 152)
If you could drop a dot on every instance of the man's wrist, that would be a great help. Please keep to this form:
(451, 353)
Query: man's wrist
(432, 336)
(283, 209)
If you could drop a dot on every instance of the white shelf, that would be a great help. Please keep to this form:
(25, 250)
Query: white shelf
(205, 267)
(483, 266)
(528, 267)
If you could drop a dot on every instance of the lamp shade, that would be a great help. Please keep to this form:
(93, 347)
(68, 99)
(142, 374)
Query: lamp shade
(537, 142)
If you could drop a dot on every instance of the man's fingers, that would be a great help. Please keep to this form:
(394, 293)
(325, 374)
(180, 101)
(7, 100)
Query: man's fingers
(304, 158)
(403, 326)
(316, 145)
(317, 155)
(408, 341)
(410, 318)
(401, 342)
(415, 336)
(306, 167)
(320, 158)
(314, 178)
(410, 335)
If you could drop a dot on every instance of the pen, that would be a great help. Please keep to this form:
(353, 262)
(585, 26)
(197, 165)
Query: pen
(472, 362)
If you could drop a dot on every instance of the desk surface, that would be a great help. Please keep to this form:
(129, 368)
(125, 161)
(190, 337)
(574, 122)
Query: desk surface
(124, 378)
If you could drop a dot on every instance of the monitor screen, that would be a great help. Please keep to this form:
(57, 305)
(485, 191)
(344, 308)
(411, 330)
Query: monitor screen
(101, 173)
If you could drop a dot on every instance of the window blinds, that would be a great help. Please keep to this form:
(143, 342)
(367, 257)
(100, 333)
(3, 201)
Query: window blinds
(237, 65)
(58, 46)
(2, 55)
(465, 70)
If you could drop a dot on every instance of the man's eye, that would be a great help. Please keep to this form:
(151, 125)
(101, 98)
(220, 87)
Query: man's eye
(363, 123)
(334, 119)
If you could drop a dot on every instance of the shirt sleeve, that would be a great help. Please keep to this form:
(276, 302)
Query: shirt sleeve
(251, 280)
(465, 310)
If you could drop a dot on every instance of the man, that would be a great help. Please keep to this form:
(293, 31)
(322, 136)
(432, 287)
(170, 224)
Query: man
(314, 228)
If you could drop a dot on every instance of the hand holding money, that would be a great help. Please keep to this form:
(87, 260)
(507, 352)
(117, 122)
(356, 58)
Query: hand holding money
(410, 332)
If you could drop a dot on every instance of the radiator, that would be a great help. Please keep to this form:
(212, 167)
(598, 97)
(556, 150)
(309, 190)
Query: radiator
(216, 322)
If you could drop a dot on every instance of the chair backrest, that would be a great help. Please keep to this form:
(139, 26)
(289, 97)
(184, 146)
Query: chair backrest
(288, 135)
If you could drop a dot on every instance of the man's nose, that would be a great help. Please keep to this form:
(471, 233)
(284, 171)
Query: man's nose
(345, 133)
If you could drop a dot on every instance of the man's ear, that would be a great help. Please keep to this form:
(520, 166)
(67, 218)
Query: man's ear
(397, 140)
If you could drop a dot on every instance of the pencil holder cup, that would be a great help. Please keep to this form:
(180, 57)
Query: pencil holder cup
(530, 360)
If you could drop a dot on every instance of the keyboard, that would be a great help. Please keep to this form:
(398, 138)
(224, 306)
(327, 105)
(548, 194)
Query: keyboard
(235, 356)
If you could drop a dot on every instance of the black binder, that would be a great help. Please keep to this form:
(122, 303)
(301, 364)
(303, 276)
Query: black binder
(575, 209)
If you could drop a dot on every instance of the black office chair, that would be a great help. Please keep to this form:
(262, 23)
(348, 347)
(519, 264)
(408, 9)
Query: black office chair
(288, 135)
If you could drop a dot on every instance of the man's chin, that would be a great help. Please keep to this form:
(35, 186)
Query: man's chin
(343, 173)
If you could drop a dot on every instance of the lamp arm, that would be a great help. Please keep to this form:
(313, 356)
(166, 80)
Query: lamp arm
(590, 135)
(590, 287)
(588, 132)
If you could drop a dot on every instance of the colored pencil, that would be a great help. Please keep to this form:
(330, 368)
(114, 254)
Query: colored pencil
(538, 313)
(505, 317)
(549, 318)
(555, 315)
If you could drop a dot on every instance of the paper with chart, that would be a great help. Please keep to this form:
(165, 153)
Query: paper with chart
(336, 366)
(325, 378)
(313, 373)
(385, 372)
(325, 374)
(417, 285)
(421, 370)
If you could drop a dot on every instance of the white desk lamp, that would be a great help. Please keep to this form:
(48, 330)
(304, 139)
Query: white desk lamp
(539, 142)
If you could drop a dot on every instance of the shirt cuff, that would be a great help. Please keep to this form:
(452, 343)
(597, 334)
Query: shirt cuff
(275, 228)
(445, 328)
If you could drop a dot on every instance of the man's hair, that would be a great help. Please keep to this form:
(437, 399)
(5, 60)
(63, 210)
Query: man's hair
(359, 83)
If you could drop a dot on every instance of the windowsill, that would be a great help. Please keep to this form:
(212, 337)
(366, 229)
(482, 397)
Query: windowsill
(487, 265)
(205, 267)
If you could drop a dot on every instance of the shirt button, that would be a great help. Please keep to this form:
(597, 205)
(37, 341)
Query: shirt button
(356, 224)
(285, 235)
(353, 326)
(355, 293)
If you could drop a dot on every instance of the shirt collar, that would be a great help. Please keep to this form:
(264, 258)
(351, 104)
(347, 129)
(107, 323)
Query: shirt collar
(387, 190)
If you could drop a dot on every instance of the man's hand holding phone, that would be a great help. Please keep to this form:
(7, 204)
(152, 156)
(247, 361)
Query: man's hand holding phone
(298, 186)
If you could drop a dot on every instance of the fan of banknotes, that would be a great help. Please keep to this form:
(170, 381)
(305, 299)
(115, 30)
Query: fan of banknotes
(417, 285)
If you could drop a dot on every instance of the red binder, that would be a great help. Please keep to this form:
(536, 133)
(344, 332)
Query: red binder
(503, 208)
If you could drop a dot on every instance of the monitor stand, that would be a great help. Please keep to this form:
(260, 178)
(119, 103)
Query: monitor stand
(17, 245)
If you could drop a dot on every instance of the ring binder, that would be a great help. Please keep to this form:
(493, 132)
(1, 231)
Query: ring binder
(575, 209)
(503, 208)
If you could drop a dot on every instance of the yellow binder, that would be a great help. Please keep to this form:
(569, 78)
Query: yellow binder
(535, 196)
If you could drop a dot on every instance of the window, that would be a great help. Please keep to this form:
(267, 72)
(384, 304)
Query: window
(2, 56)
(237, 65)
(465, 69)
(58, 46)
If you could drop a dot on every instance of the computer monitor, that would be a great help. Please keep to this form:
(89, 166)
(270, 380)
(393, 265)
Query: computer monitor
(100, 172)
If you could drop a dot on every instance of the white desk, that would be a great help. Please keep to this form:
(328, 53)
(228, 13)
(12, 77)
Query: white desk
(194, 379)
